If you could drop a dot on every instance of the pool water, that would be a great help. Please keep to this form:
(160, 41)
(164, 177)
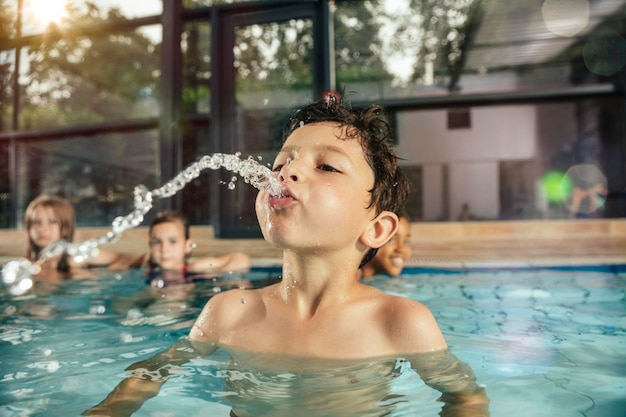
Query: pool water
(543, 342)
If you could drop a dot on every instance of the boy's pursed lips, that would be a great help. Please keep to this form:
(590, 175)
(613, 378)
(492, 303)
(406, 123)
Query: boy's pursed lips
(282, 200)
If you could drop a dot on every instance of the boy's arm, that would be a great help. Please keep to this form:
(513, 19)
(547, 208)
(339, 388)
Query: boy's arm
(147, 378)
(461, 395)
(416, 330)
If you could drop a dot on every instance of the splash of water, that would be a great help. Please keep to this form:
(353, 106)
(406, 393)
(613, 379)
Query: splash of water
(17, 274)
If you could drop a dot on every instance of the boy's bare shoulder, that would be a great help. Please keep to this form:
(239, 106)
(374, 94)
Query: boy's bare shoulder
(398, 309)
(234, 302)
(410, 325)
(228, 311)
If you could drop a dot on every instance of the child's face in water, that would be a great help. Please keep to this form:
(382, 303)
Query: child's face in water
(168, 246)
(45, 227)
(327, 182)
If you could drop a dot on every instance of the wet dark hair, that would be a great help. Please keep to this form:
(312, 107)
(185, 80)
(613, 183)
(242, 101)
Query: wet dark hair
(370, 127)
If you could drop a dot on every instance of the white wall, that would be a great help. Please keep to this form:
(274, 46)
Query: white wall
(477, 184)
(433, 184)
(472, 155)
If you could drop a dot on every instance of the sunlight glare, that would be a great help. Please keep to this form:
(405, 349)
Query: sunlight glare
(397, 6)
(44, 12)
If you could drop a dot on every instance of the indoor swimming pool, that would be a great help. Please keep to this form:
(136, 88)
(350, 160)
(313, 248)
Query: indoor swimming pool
(543, 342)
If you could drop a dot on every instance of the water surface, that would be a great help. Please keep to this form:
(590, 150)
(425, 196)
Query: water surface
(545, 342)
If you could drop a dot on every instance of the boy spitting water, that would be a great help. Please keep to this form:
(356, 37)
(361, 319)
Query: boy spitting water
(341, 192)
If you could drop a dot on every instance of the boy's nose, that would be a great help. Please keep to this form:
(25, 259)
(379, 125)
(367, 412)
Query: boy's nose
(289, 171)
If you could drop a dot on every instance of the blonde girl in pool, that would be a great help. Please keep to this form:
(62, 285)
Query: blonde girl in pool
(50, 218)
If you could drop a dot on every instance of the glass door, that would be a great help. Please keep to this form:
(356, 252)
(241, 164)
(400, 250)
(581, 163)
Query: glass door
(270, 64)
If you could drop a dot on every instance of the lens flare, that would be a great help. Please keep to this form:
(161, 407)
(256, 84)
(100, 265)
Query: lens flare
(41, 13)
(565, 17)
(556, 186)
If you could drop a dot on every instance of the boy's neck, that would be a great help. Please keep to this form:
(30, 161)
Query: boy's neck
(311, 281)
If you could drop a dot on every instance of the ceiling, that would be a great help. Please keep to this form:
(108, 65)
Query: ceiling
(515, 33)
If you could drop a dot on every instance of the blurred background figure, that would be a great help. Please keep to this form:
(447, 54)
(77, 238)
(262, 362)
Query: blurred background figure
(465, 214)
(50, 218)
(169, 257)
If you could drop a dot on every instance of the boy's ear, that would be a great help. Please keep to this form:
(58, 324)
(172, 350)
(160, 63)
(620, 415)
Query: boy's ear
(380, 230)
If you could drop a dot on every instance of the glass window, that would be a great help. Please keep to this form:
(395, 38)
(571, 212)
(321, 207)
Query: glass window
(8, 13)
(386, 49)
(273, 64)
(83, 80)
(96, 173)
(7, 68)
(200, 192)
(6, 208)
(532, 161)
(130, 9)
(86, 64)
(196, 50)
(39, 16)
(199, 3)
(273, 75)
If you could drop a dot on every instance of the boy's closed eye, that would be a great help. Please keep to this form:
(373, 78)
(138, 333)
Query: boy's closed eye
(329, 168)
(323, 167)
